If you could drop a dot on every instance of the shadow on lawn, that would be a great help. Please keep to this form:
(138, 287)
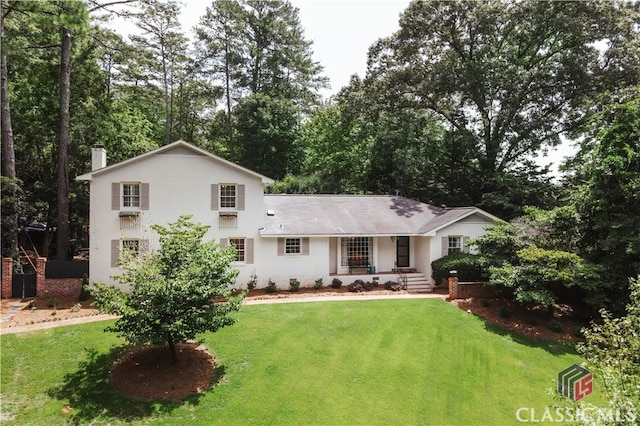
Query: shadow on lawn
(91, 396)
(555, 348)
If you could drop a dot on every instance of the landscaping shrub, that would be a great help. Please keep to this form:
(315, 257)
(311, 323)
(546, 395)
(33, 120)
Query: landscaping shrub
(294, 285)
(253, 281)
(271, 287)
(393, 286)
(505, 311)
(53, 303)
(357, 286)
(538, 274)
(336, 283)
(318, 284)
(369, 285)
(467, 265)
(556, 326)
(84, 292)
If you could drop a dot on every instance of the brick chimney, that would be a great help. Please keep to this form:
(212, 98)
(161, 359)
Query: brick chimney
(98, 157)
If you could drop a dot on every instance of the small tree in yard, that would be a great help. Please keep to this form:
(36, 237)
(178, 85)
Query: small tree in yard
(176, 293)
(612, 351)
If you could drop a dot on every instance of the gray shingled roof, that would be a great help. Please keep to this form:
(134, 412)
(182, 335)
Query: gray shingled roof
(446, 218)
(346, 215)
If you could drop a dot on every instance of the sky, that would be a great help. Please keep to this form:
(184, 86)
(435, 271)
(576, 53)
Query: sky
(341, 31)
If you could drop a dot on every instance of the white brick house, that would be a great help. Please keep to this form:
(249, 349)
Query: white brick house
(277, 237)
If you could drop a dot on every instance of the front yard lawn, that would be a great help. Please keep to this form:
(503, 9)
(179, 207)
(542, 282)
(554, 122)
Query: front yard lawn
(419, 361)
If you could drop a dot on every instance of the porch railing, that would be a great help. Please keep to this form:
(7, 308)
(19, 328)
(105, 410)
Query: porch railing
(403, 277)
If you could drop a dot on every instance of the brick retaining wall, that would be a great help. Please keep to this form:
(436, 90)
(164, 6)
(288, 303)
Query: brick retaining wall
(45, 287)
(61, 287)
(465, 290)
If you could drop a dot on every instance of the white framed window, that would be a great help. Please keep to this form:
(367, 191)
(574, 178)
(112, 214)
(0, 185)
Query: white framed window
(131, 195)
(228, 196)
(239, 244)
(292, 246)
(357, 250)
(455, 245)
(132, 246)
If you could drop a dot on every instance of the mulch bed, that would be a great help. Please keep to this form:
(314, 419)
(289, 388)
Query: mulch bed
(148, 373)
(533, 323)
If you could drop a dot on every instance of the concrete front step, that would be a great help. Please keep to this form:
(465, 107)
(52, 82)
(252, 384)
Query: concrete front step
(418, 283)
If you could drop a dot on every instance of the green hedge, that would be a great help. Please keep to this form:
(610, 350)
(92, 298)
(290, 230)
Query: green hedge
(467, 265)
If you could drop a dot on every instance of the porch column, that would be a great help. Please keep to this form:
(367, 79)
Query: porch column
(7, 277)
(41, 264)
(453, 285)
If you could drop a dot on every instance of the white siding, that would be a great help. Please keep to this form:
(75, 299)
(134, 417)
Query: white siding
(305, 268)
(179, 183)
(471, 227)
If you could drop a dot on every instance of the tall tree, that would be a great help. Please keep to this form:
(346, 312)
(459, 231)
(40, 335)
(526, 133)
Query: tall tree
(62, 236)
(257, 49)
(162, 51)
(334, 152)
(221, 54)
(280, 62)
(73, 16)
(9, 182)
(510, 76)
(267, 131)
(605, 191)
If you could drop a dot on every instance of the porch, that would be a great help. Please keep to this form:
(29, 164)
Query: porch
(410, 279)
(401, 259)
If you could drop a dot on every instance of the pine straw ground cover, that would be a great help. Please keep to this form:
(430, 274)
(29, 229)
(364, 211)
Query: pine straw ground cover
(419, 361)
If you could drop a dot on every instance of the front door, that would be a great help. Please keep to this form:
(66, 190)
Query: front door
(402, 252)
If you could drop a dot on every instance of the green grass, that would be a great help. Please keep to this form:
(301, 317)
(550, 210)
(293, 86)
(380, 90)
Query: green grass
(418, 361)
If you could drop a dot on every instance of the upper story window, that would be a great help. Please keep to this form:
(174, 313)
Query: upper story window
(131, 195)
(227, 196)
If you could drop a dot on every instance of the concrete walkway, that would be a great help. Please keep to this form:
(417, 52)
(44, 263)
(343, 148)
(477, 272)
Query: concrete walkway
(342, 297)
(13, 309)
(258, 300)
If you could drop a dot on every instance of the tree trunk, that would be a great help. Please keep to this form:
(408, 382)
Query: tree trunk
(167, 105)
(172, 348)
(227, 76)
(9, 188)
(62, 233)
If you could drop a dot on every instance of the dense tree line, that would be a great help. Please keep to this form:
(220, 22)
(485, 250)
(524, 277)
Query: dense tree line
(453, 110)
